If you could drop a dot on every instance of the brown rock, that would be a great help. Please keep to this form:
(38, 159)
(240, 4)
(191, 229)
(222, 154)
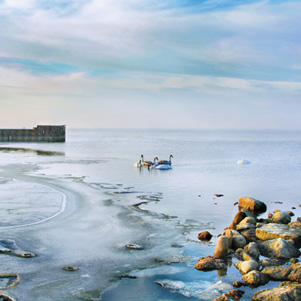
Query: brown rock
(277, 273)
(252, 204)
(205, 235)
(295, 275)
(285, 292)
(210, 263)
(239, 216)
(221, 249)
(255, 278)
(272, 231)
(231, 295)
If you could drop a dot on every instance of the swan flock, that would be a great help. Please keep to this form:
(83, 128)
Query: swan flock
(155, 164)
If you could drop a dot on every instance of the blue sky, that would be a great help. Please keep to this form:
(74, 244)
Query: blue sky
(151, 64)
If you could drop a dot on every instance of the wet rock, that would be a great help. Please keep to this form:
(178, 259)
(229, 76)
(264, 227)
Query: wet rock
(134, 247)
(285, 291)
(231, 295)
(219, 195)
(251, 204)
(246, 266)
(239, 284)
(273, 230)
(221, 249)
(278, 248)
(277, 273)
(255, 278)
(281, 217)
(8, 281)
(210, 263)
(240, 215)
(70, 268)
(253, 250)
(205, 235)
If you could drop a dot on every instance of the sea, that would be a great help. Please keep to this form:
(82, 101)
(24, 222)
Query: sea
(131, 233)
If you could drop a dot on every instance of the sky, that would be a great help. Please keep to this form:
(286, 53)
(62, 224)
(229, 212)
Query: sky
(203, 64)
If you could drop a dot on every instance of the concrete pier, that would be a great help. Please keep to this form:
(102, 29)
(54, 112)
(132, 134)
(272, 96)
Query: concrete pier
(41, 133)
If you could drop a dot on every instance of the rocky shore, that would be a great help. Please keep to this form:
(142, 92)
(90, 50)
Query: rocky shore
(264, 250)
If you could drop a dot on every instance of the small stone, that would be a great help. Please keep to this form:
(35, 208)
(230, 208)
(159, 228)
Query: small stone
(281, 217)
(134, 247)
(219, 195)
(70, 268)
(238, 284)
(205, 235)
(239, 216)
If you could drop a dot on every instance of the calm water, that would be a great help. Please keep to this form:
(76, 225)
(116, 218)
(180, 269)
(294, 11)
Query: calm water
(76, 208)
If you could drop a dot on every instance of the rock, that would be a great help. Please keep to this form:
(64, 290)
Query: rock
(9, 246)
(295, 275)
(229, 234)
(232, 295)
(246, 266)
(278, 248)
(249, 234)
(251, 204)
(255, 278)
(242, 255)
(296, 225)
(285, 292)
(221, 249)
(244, 226)
(238, 240)
(272, 262)
(219, 195)
(134, 247)
(272, 231)
(253, 250)
(232, 226)
(239, 216)
(281, 217)
(205, 235)
(277, 273)
(238, 284)
(210, 263)
(248, 220)
(70, 268)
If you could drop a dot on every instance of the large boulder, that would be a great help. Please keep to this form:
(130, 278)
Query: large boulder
(281, 217)
(255, 278)
(277, 273)
(251, 204)
(273, 230)
(210, 263)
(221, 249)
(278, 248)
(286, 291)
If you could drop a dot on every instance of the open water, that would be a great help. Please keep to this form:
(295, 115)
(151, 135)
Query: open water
(81, 202)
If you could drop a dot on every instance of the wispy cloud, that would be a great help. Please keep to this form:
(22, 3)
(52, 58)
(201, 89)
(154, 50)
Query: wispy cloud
(122, 50)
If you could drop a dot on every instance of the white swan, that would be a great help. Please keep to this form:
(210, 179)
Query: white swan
(138, 163)
(166, 162)
(160, 166)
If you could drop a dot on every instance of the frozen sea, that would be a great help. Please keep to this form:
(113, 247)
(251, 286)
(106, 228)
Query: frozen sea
(79, 203)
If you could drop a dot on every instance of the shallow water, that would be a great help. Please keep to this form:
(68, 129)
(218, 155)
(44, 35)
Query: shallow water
(81, 202)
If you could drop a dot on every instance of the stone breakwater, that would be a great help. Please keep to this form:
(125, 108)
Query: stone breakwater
(277, 238)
